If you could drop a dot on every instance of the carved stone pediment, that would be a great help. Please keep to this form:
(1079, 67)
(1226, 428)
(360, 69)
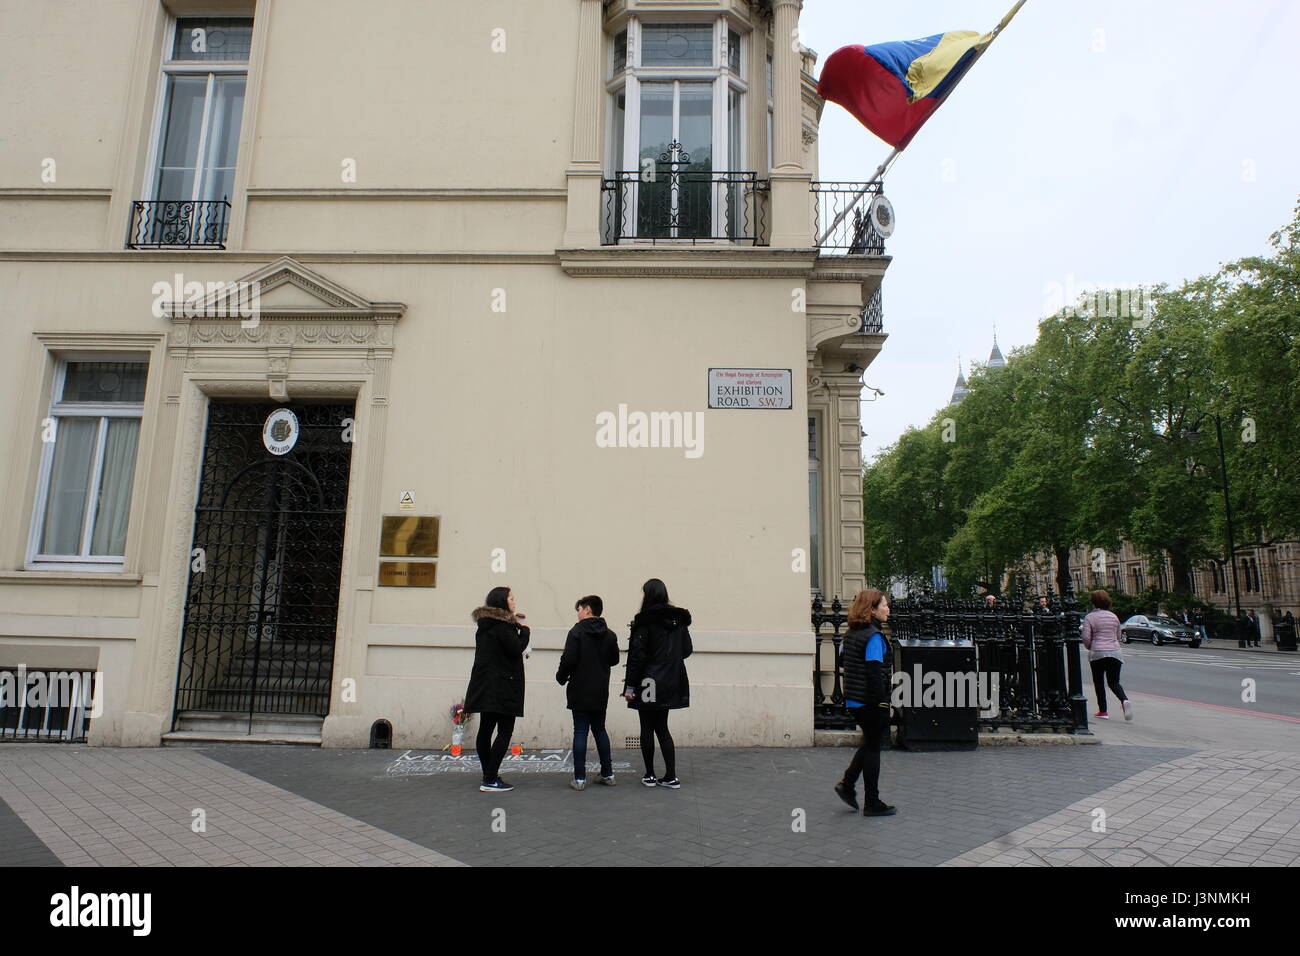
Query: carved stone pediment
(286, 290)
(272, 317)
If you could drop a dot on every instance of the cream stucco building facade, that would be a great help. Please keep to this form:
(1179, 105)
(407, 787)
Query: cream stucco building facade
(454, 280)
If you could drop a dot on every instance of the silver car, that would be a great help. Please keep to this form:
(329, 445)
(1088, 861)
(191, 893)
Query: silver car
(1158, 630)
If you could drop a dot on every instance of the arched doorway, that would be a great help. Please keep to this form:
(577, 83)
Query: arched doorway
(261, 604)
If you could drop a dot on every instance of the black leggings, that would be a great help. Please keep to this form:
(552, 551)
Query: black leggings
(654, 723)
(1105, 670)
(491, 753)
(873, 720)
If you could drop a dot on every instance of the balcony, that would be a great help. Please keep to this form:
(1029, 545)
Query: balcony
(873, 316)
(676, 201)
(850, 234)
(178, 224)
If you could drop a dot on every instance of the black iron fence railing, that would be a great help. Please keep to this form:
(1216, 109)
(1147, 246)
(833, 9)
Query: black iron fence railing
(676, 200)
(829, 624)
(178, 224)
(853, 234)
(873, 316)
(46, 705)
(1031, 655)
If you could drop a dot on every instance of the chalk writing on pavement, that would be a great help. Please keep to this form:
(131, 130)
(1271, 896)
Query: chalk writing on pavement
(412, 763)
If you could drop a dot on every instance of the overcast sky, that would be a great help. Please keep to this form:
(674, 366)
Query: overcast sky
(1121, 142)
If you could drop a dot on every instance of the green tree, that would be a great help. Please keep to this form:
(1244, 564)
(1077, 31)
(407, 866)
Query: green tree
(1105, 429)
(1162, 407)
(1257, 347)
(908, 515)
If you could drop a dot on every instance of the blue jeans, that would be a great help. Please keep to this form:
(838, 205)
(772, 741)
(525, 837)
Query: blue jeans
(593, 721)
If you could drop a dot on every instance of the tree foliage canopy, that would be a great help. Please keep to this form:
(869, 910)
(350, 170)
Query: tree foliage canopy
(1105, 429)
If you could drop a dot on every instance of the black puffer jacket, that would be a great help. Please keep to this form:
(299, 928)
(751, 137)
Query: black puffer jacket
(656, 654)
(590, 650)
(496, 684)
(864, 681)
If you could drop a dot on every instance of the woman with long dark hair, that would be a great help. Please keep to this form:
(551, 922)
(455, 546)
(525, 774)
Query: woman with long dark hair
(864, 654)
(496, 684)
(655, 681)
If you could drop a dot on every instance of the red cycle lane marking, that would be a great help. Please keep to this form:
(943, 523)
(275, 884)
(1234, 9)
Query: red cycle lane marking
(1233, 710)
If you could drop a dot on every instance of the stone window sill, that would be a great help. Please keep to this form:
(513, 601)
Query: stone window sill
(98, 578)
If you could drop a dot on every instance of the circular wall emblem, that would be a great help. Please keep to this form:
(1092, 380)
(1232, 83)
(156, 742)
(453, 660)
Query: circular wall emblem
(882, 216)
(280, 433)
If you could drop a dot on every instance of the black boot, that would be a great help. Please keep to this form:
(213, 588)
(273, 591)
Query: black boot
(847, 794)
(878, 808)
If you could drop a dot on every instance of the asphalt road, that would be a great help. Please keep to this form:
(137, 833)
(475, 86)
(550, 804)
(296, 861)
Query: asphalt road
(1194, 697)
(1211, 676)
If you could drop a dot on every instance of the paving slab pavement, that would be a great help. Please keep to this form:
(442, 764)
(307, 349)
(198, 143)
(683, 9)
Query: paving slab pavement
(173, 806)
(282, 806)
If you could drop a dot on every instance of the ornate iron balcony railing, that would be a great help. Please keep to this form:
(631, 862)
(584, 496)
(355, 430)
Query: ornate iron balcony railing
(178, 224)
(854, 234)
(873, 316)
(677, 200)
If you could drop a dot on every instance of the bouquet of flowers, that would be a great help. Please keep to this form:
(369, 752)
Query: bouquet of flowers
(459, 718)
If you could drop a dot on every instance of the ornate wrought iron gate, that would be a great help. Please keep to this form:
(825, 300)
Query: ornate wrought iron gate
(262, 602)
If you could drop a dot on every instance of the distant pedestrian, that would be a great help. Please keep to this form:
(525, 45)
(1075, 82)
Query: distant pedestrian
(1101, 638)
(590, 650)
(1198, 622)
(1242, 623)
(1252, 628)
(496, 683)
(655, 680)
(863, 662)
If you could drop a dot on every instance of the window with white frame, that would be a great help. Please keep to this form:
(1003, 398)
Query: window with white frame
(677, 126)
(204, 73)
(88, 461)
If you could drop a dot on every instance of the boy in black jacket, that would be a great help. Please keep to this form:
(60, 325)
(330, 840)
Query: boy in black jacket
(589, 652)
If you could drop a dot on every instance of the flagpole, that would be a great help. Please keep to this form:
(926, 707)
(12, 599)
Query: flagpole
(880, 170)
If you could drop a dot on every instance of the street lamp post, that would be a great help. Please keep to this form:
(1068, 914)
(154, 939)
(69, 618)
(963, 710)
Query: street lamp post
(1227, 512)
(1194, 436)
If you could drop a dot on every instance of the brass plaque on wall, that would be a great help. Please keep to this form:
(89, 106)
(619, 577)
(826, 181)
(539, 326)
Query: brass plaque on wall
(409, 536)
(408, 574)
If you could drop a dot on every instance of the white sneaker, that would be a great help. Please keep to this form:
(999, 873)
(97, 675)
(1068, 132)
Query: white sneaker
(1128, 711)
(578, 784)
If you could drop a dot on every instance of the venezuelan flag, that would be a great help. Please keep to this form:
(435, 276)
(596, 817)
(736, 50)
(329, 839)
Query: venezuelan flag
(892, 88)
